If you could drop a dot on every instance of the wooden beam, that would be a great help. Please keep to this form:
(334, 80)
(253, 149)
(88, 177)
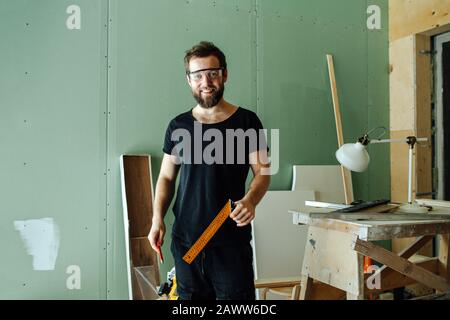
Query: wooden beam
(277, 282)
(346, 175)
(444, 252)
(397, 280)
(401, 265)
(424, 79)
(384, 271)
(306, 288)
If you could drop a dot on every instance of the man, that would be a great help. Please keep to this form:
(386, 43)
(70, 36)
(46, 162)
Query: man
(223, 270)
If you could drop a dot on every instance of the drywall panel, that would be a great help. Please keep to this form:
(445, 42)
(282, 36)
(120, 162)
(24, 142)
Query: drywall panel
(293, 88)
(53, 150)
(63, 95)
(147, 88)
(378, 184)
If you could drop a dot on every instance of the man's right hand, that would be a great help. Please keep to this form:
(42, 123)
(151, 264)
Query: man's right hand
(156, 235)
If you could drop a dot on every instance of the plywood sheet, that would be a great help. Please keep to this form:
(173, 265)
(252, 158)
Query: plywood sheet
(416, 16)
(402, 84)
(330, 259)
(137, 201)
(399, 167)
(139, 194)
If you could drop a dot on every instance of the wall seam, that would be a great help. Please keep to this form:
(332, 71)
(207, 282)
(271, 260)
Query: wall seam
(107, 144)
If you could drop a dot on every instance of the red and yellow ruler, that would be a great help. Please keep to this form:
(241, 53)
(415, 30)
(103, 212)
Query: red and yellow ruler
(209, 232)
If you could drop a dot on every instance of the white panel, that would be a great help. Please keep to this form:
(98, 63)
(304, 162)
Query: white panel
(325, 180)
(279, 245)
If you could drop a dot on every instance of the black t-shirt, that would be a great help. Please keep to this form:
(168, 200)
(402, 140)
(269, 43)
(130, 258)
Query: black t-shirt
(208, 179)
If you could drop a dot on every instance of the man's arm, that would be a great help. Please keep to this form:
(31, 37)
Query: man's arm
(165, 189)
(245, 208)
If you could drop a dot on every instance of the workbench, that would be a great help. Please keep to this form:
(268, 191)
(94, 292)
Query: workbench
(337, 243)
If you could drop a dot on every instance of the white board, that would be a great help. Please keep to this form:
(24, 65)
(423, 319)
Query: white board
(279, 245)
(325, 180)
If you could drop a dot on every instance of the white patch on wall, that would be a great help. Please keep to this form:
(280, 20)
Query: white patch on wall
(41, 240)
(374, 20)
(73, 22)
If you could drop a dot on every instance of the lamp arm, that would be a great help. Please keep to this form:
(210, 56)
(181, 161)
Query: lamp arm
(396, 140)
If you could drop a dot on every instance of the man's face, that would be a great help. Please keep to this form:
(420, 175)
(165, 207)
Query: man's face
(206, 80)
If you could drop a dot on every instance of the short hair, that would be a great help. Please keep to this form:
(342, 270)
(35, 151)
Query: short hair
(204, 49)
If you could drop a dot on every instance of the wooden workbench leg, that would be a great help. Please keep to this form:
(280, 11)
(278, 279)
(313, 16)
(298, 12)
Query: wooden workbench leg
(264, 293)
(359, 278)
(306, 287)
(444, 251)
(295, 292)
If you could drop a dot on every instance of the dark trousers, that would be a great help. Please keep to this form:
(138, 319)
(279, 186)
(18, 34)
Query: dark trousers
(221, 272)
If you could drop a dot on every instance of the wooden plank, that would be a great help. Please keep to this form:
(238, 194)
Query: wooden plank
(323, 291)
(137, 200)
(142, 253)
(277, 282)
(435, 204)
(359, 279)
(401, 265)
(401, 85)
(139, 194)
(354, 216)
(317, 289)
(296, 293)
(395, 279)
(418, 16)
(346, 175)
(334, 96)
(306, 288)
(377, 230)
(415, 246)
(444, 253)
(413, 229)
(406, 253)
(423, 151)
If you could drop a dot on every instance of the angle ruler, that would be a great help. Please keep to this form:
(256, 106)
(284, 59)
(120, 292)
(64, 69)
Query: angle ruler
(209, 232)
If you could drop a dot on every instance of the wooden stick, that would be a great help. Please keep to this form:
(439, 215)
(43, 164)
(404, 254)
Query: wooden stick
(346, 175)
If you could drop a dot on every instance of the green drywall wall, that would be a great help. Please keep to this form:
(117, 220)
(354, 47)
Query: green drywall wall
(148, 87)
(53, 144)
(111, 88)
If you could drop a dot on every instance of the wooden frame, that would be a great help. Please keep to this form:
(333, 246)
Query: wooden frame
(411, 91)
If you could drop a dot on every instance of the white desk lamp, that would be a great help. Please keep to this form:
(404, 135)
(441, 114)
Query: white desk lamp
(354, 157)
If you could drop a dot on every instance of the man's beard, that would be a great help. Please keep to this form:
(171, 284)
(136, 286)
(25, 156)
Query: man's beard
(212, 100)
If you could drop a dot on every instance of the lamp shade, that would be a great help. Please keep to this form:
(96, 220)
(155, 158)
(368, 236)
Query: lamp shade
(353, 156)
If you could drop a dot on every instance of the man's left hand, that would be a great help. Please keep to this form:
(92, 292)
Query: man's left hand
(244, 212)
